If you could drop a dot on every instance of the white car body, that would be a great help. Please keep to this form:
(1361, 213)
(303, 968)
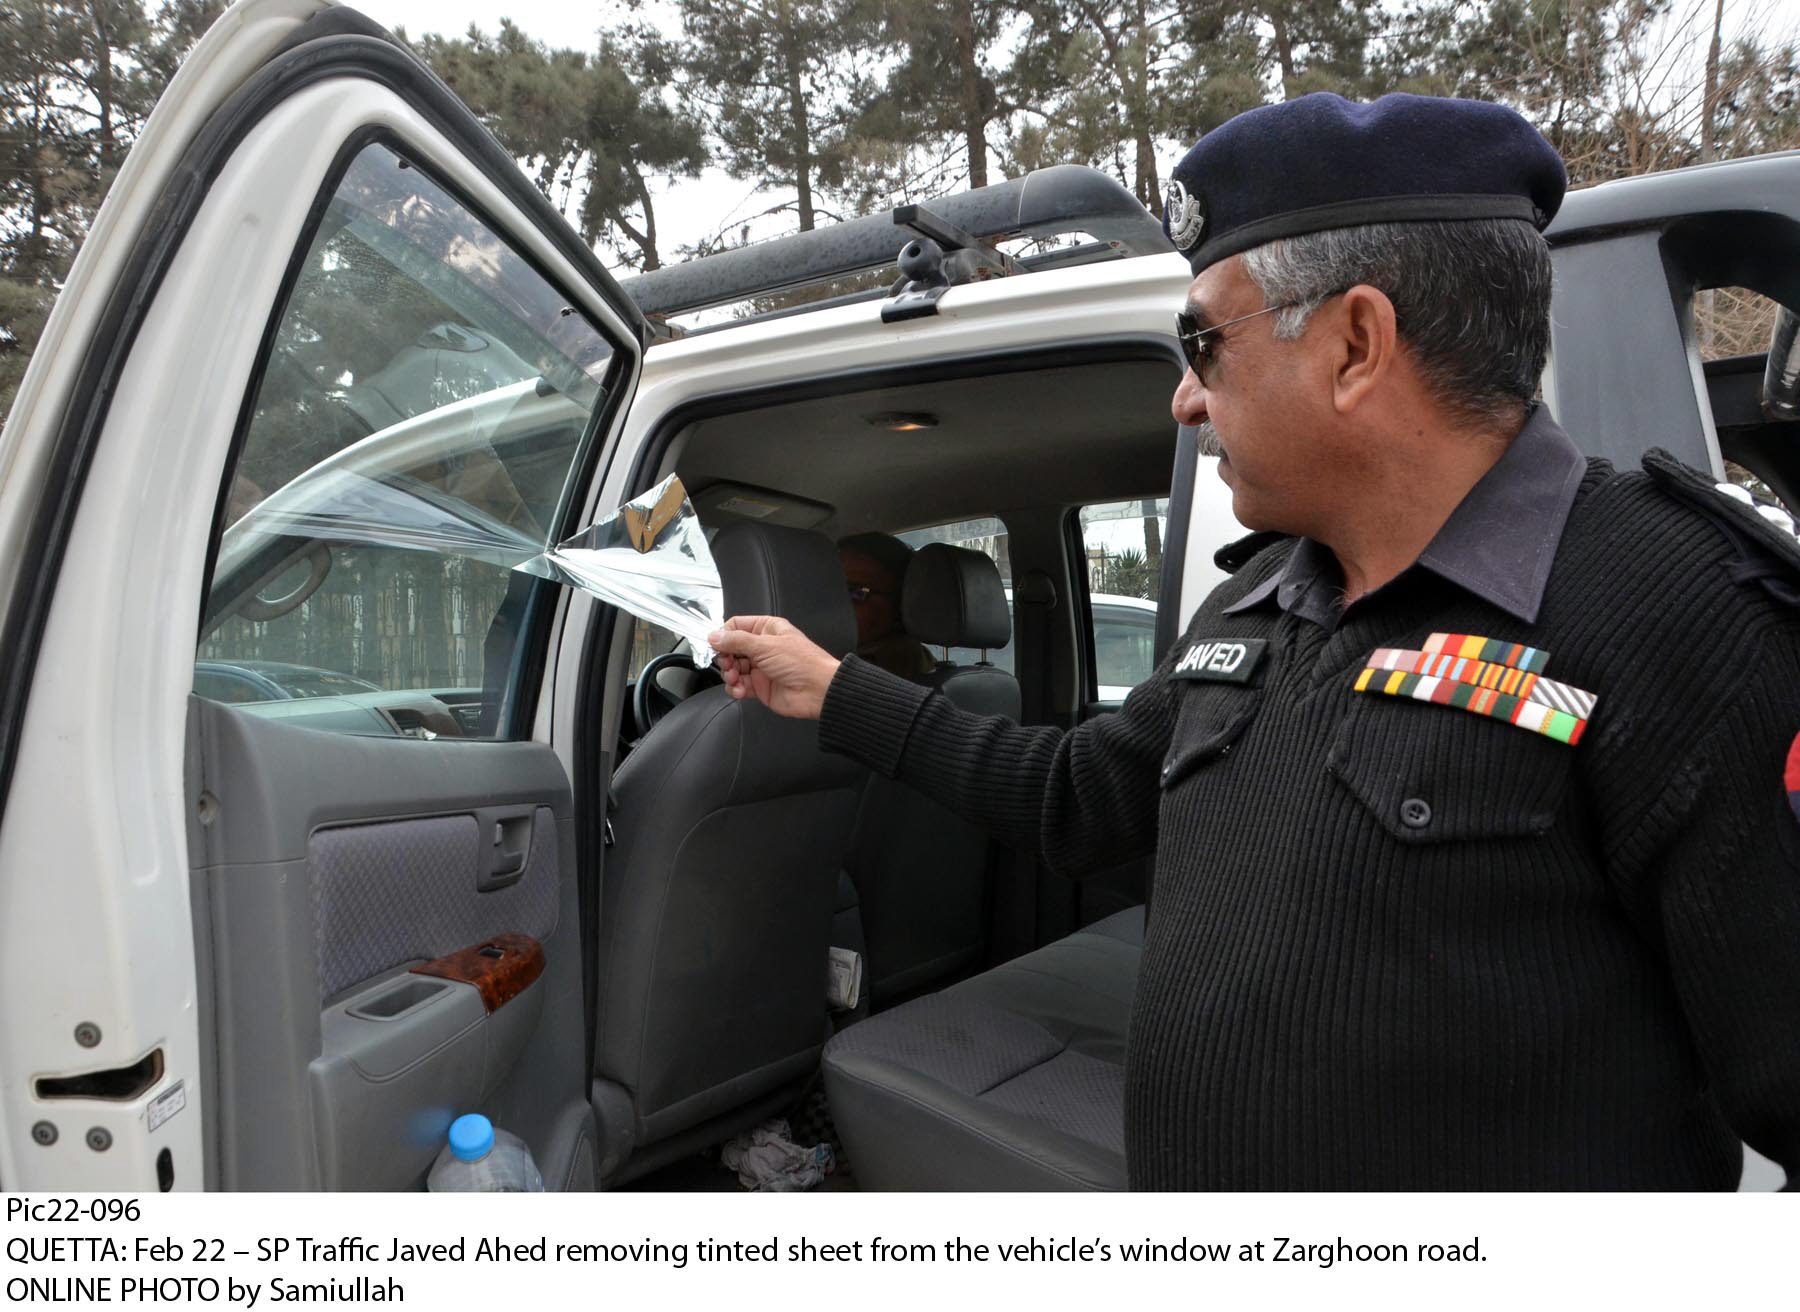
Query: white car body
(100, 799)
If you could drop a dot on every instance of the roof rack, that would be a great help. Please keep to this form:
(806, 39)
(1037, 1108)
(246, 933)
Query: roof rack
(1050, 202)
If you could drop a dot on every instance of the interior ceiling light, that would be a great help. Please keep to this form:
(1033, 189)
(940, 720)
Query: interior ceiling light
(902, 421)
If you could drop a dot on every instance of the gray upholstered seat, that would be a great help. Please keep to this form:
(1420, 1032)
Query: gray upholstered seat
(1011, 1080)
(718, 895)
(921, 872)
(953, 597)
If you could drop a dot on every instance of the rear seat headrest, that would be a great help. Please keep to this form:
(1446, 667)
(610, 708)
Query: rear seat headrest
(953, 597)
(790, 572)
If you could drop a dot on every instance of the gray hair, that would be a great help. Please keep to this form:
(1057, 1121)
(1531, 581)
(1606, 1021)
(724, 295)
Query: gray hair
(1471, 299)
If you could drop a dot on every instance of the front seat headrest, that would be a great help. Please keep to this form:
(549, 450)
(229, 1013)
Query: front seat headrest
(953, 597)
(790, 572)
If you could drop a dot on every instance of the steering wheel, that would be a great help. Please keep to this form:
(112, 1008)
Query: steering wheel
(663, 684)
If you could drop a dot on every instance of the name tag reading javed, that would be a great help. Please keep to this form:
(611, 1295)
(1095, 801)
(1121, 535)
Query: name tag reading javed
(1221, 660)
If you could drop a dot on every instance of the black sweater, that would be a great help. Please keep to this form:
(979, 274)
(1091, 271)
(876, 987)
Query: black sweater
(1582, 971)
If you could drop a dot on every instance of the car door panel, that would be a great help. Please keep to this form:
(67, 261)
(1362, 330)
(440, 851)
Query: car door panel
(365, 875)
(212, 887)
(327, 866)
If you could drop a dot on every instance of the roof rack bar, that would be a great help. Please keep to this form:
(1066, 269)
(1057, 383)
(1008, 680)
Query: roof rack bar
(918, 219)
(1050, 202)
(1089, 252)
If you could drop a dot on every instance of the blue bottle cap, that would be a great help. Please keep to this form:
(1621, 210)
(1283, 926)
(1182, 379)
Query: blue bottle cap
(471, 1137)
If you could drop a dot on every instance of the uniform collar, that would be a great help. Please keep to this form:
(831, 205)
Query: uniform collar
(1498, 543)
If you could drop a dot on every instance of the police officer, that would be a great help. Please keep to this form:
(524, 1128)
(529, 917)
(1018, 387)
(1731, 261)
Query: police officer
(1468, 791)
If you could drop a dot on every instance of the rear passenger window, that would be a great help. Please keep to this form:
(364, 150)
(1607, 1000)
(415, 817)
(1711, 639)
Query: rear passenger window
(410, 437)
(988, 536)
(1732, 330)
(1123, 541)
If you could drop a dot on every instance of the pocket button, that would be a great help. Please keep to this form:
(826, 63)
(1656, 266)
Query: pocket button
(1415, 813)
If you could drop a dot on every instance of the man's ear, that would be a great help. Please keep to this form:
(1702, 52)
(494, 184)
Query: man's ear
(1368, 345)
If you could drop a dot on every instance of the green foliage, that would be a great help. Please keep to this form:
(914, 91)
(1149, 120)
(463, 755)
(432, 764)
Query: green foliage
(1103, 82)
(589, 124)
(778, 80)
(947, 83)
(1613, 84)
(1127, 574)
(77, 81)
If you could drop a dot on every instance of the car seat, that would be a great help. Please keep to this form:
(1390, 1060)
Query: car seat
(717, 900)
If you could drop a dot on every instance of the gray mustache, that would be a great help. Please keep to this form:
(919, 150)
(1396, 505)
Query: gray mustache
(1209, 440)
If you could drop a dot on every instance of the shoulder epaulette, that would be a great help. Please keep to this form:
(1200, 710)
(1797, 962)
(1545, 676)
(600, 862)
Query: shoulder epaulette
(1768, 534)
(1233, 556)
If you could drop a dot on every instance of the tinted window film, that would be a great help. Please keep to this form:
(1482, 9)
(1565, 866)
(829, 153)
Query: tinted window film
(423, 377)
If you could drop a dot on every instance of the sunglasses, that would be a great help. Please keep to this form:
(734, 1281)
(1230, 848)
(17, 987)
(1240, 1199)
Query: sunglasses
(865, 592)
(1200, 345)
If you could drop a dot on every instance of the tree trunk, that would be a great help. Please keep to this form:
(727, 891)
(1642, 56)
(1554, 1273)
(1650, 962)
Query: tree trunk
(1284, 50)
(1147, 189)
(1709, 113)
(1152, 549)
(974, 119)
(102, 87)
(647, 241)
(33, 248)
(797, 119)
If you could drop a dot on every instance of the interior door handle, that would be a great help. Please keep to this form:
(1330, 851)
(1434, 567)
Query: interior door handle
(505, 844)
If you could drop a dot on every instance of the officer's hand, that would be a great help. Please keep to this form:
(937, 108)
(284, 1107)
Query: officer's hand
(768, 658)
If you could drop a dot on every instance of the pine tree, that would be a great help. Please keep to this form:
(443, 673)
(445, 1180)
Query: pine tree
(945, 84)
(77, 80)
(778, 82)
(1110, 79)
(589, 125)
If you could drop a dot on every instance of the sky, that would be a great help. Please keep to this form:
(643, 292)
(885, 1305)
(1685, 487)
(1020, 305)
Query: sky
(571, 24)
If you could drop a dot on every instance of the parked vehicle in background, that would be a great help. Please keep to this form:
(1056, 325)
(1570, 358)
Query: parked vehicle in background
(271, 681)
(1124, 645)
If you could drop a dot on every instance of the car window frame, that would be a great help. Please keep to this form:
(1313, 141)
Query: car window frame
(518, 701)
(1174, 549)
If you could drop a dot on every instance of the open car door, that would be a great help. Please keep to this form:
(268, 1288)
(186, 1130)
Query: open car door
(287, 857)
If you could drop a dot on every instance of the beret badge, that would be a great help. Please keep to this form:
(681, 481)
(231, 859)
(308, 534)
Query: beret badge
(1184, 216)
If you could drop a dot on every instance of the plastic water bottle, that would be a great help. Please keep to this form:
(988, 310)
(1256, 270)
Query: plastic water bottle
(482, 1160)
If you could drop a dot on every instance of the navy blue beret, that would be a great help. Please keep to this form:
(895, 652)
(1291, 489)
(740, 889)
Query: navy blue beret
(1325, 162)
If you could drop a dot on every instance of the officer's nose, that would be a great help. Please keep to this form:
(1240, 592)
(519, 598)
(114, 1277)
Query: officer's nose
(1188, 405)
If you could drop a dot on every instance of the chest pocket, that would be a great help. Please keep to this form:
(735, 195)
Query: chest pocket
(1432, 774)
(1211, 718)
